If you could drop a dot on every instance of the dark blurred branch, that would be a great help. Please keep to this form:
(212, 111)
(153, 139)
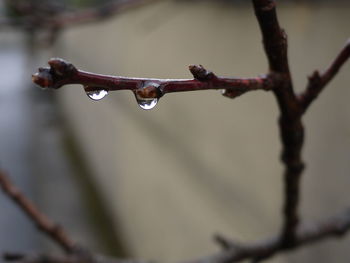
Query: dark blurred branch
(51, 17)
(43, 223)
(317, 81)
(235, 251)
(46, 15)
(36, 258)
(72, 258)
(291, 127)
(62, 73)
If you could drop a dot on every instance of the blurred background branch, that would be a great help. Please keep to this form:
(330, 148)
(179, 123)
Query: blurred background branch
(50, 16)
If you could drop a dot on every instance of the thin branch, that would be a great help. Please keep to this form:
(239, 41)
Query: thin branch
(50, 17)
(62, 73)
(235, 251)
(45, 15)
(317, 81)
(73, 258)
(43, 223)
(31, 14)
(40, 258)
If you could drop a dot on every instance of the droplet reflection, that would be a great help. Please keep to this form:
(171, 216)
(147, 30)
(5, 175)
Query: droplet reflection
(97, 94)
(147, 104)
(148, 96)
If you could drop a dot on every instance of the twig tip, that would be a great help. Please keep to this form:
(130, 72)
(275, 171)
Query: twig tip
(52, 77)
(43, 78)
(221, 241)
(61, 67)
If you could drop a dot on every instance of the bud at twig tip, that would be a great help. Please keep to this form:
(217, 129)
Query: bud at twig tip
(43, 78)
(61, 67)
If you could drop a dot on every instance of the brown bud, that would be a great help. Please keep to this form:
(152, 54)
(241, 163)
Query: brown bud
(200, 73)
(61, 67)
(43, 78)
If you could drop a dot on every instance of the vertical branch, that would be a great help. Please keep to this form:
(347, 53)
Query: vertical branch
(274, 38)
(291, 128)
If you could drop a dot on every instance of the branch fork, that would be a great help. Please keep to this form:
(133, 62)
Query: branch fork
(318, 81)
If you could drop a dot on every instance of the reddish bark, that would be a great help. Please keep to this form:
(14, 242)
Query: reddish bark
(62, 73)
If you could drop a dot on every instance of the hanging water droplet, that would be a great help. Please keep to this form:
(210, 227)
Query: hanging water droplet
(97, 94)
(148, 96)
(147, 104)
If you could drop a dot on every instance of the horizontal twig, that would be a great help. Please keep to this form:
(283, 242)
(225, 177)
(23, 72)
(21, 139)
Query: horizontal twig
(45, 15)
(39, 258)
(74, 258)
(43, 223)
(317, 81)
(61, 73)
(234, 251)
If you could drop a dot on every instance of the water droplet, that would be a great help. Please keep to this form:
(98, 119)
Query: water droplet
(97, 94)
(148, 96)
(147, 104)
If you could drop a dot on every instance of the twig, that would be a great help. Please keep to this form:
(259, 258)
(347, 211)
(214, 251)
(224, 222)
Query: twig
(45, 15)
(235, 251)
(62, 73)
(40, 258)
(317, 81)
(50, 17)
(73, 258)
(43, 223)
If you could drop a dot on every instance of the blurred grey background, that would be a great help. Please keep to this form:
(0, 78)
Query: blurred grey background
(158, 184)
